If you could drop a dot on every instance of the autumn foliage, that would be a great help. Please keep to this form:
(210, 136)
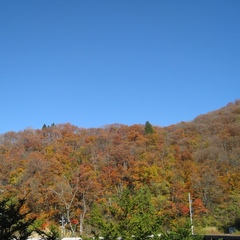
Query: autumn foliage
(66, 170)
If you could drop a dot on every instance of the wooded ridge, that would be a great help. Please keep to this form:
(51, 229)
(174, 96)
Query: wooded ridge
(66, 171)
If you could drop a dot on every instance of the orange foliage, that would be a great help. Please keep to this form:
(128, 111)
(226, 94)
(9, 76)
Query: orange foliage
(201, 157)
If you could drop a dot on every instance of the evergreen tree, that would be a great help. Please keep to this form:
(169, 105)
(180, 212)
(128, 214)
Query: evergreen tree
(52, 234)
(180, 232)
(148, 128)
(131, 214)
(14, 222)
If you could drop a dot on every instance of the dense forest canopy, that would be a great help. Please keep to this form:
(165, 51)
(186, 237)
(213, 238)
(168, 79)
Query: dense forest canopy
(64, 170)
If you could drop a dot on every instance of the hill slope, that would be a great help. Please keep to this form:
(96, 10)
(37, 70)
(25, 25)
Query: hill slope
(57, 164)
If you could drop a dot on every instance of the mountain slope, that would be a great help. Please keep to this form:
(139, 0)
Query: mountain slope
(61, 163)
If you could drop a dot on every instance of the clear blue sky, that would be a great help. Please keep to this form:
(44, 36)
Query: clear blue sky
(93, 63)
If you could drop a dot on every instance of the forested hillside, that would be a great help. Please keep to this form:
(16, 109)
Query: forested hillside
(66, 170)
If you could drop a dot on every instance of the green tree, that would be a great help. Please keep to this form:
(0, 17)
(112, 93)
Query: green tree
(148, 128)
(52, 234)
(130, 214)
(180, 232)
(15, 223)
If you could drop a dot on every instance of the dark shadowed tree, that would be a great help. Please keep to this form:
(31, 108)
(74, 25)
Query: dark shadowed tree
(15, 222)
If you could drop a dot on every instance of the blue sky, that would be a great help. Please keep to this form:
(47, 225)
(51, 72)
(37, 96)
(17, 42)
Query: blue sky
(93, 63)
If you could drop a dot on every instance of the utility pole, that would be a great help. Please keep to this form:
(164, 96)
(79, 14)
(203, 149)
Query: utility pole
(190, 211)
